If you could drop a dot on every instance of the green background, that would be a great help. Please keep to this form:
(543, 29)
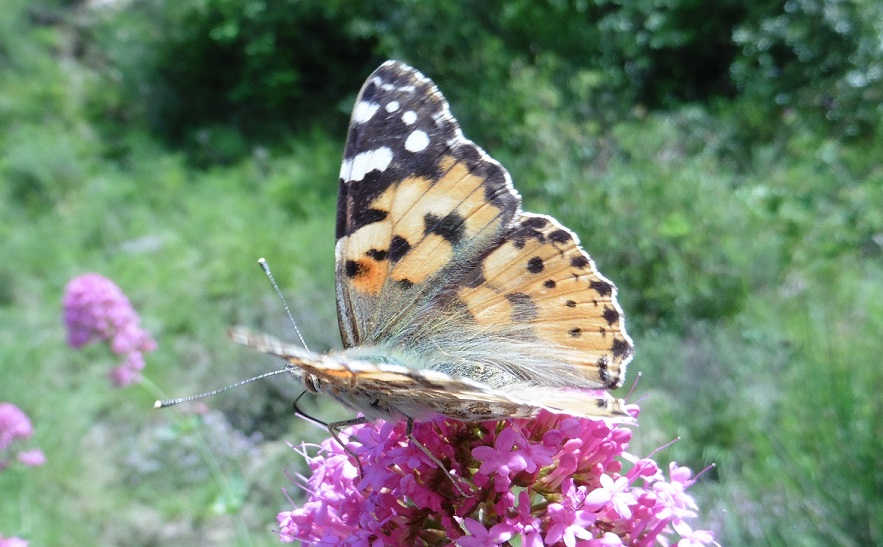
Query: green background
(721, 162)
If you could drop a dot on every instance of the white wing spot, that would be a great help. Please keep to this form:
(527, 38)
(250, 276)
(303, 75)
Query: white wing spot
(355, 169)
(417, 141)
(409, 117)
(392, 106)
(364, 111)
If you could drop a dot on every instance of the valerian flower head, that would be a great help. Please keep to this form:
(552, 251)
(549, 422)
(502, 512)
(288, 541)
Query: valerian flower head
(95, 309)
(15, 426)
(552, 480)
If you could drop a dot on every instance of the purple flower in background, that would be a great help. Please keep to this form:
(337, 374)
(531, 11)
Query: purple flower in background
(95, 309)
(552, 480)
(32, 458)
(14, 426)
(12, 542)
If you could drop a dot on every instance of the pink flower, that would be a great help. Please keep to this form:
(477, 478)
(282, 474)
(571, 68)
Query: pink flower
(678, 502)
(550, 480)
(32, 458)
(12, 542)
(482, 537)
(690, 537)
(95, 309)
(568, 523)
(510, 454)
(614, 492)
(609, 539)
(526, 523)
(15, 426)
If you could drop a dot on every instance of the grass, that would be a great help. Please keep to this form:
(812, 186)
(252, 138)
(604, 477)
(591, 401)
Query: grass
(752, 284)
(109, 453)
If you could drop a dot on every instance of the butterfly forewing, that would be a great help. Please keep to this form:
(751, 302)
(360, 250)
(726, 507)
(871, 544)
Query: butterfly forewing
(417, 202)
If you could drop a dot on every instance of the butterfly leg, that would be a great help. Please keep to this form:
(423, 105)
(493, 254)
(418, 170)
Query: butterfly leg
(303, 415)
(431, 456)
(335, 427)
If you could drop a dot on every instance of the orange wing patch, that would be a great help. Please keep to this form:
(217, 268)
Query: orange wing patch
(434, 218)
(424, 220)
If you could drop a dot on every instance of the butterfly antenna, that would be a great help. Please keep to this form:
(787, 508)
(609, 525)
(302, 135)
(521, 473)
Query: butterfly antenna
(266, 267)
(171, 402)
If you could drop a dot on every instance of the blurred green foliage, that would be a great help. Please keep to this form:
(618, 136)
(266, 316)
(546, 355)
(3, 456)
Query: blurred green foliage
(200, 73)
(820, 58)
(259, 64)
(720, 161)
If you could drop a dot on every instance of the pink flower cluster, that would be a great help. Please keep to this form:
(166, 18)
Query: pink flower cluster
(95, 309)
(553, 480)
(14, 426)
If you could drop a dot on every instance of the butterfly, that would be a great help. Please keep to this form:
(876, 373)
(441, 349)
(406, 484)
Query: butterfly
(451, 300)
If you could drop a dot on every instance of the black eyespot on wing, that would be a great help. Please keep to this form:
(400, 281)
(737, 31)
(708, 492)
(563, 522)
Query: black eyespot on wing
(377, 254)
(579, 261)
(521, 234)
(610, 315)
(398, 248)
(535, 222)
(353, 269)
(535, 265)
(450, 227)
(621, 349)
(560, 236)
(363, 217)
(603, 370)
(405, 283)
(602, 287)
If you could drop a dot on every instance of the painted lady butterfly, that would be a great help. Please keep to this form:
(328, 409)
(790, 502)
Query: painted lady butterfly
(450, 299)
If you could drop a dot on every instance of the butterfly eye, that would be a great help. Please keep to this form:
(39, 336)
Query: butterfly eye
(311, 382)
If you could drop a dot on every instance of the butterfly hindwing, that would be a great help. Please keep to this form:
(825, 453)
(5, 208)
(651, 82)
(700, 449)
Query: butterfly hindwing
(540, 277)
